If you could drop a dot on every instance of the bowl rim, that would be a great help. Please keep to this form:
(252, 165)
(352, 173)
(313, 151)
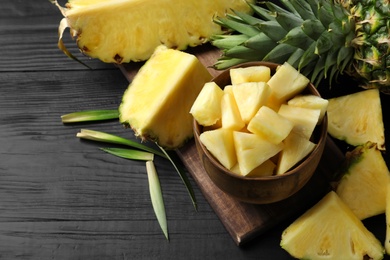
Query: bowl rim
(322, 137)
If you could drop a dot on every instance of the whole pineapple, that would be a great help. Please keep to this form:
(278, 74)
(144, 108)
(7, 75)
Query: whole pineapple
(322, 38)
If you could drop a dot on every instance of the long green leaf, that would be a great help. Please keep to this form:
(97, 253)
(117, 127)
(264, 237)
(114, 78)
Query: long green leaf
(109, 138)
(130, 154)
(90, 115)
(156, 197)
(183, 177)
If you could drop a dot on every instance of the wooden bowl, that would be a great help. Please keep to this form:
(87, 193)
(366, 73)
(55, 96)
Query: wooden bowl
(269, 189)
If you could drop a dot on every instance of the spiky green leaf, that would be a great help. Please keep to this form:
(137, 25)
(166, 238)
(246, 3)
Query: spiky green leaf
(130, 154)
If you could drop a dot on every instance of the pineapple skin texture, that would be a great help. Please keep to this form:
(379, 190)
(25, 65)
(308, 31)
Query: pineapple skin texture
(157, 103)
(330, 230)
(118, 31)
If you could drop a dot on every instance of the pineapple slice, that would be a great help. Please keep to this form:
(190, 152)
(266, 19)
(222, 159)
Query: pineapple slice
(355, 123)
(160, 112)
(295, 149)
(220, 143)
(207, 107)
(250, 74)
(363, 186)
(287, 82)
(310, 101)
(304, 119)
(265, 169)
(231, 117)
(253, 150)
(119, 31)
(270, 125)
(250, 96)
(330, 230)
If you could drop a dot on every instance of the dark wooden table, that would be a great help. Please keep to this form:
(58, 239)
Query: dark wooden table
(62, 198)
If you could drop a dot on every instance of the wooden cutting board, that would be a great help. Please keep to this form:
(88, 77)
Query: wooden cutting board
(246, 221)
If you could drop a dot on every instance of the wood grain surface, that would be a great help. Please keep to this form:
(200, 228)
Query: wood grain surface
(62, 198)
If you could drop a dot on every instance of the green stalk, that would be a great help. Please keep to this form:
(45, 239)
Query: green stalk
(109, 138)
(90, 115)
(156, 197)
(130, 154)
(183, 177)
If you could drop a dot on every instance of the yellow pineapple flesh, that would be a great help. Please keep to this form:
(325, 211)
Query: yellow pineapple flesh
(157, 103)
(357, 118)
(120, 31)
(363, 185)
(330, 230)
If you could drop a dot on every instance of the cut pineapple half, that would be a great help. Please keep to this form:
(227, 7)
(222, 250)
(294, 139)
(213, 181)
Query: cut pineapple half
(357, 118)
(363, 186)
(119, 31)
(161, 112)
(330, 230)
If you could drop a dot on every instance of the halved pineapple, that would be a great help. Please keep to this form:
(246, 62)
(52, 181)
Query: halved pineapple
(330, 230)
(220, 143)
(296, 147)
(207, 107)
(355, 123)
(253, 150)
(250, 74)
(119, 31)
(160, 112)
(363, 186)
(250, 96)
(269, 124)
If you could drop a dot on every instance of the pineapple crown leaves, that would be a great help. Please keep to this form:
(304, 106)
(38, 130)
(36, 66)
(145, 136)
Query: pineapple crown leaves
(314, 36)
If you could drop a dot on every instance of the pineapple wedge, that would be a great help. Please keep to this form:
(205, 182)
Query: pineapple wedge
(330, 230)
(265, 169)
(231, 117)
(160, 112)
(207, 107)
(250, 74)
(310, 101)
(220, 143)
(355, 123)
(304, 119)
(250, 96)
(253, 150)
(295, 149)
(287, 82)
(270, 125)
(363, 185)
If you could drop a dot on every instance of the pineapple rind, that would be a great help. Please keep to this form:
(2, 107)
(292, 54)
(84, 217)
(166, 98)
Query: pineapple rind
(355, 123)
(330, 230)
(157, 102)
(363, 186)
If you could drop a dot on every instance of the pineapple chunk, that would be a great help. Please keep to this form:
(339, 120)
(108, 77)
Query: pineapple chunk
(231, 117)
(295, 149)
(355, 123)
(220, 143)
(270, 125)
(387, 241)
(310, 101)
(207, 107)
(160, 112)
(250, 74)
(330, 230)
(253, 150)
(287, 82)
(250, 96)
(363, 186)
(265, 169)
(304, 119)
(228, 89)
